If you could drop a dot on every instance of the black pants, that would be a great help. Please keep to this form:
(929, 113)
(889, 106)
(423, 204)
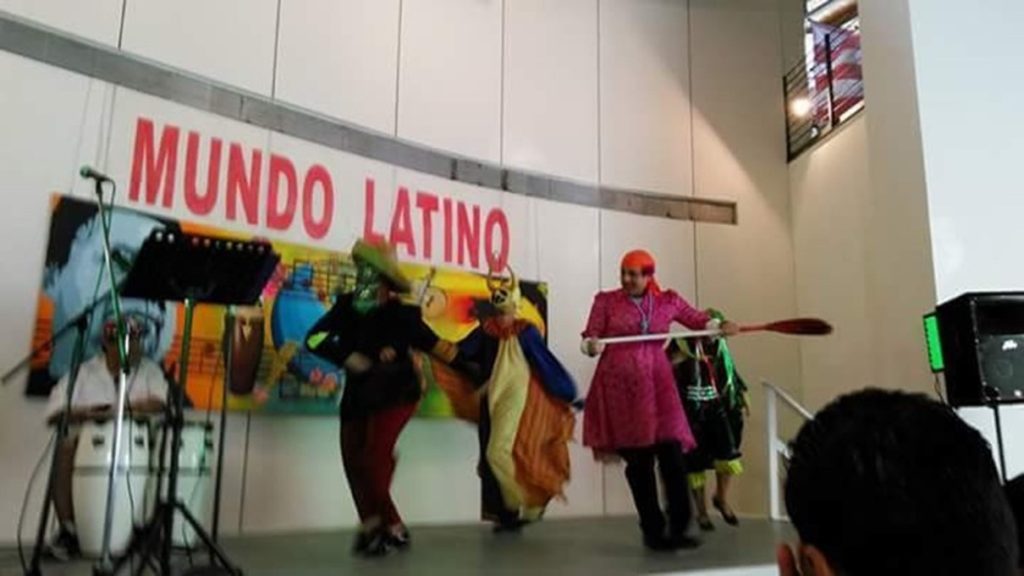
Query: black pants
(644, 486)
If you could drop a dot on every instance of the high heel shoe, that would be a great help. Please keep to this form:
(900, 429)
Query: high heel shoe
(705, 524)
(727, 514)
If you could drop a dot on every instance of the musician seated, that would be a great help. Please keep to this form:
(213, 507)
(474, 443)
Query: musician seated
(95, 398)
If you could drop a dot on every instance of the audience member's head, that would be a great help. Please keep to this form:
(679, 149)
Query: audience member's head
(889, 483)
(1015, 494)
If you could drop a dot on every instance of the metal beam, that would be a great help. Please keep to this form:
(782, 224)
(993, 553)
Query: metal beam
(56, 48)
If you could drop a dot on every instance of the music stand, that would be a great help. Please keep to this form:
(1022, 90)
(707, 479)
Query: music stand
(193, 269)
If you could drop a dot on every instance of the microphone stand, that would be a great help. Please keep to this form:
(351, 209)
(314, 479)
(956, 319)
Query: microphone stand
(105, 564)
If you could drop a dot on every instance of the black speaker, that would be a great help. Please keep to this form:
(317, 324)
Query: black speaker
(982, 336)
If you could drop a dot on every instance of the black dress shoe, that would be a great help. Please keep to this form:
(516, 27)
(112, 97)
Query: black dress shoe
(658, 544)
(684, 542)
(509, 526)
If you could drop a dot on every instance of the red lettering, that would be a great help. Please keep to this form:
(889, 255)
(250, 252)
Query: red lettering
(280, 218)
(317, 228)
(447, 207)
(497, 259)
(427, 203)
(401, 223)
(369, 194)
(469, 236)
(159, 167)
(242, 186)
(201, 204)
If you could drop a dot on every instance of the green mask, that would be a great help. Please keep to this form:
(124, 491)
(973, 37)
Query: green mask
(368, 283)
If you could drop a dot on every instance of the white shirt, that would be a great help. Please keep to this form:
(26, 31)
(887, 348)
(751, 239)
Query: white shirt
(96, 387)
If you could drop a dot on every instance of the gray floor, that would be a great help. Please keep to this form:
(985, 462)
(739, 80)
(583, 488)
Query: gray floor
(593, 547)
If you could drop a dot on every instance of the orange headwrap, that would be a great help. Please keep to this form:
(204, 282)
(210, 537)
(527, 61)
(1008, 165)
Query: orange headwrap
(643, 261)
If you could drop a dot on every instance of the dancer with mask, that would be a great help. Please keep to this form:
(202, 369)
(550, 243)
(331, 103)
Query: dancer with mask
(371, 333)
(526, 419)
(633, 409)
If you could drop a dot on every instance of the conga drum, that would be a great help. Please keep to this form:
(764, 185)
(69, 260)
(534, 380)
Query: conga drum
(246, 348)
(93, 461)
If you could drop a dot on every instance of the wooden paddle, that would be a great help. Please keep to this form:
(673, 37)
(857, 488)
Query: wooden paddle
(792, 326)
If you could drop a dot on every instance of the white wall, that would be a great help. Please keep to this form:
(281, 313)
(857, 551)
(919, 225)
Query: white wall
(550, 105)
(230, 41)
(644, 95)
(340, 58)
(739, 154)
(830, 185)
(449, 69)
(900, 284)
(96, 20)
(970, 128)
(586, 90)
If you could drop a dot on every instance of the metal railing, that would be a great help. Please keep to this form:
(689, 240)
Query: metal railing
(824, 91)
(778, 449)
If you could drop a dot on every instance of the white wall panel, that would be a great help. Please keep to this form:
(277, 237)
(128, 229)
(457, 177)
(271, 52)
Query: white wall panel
(569, 259)
(340, 58)
(230, 41)
(449, 93)
(52, 123)
(294, 478)
(829, 180)
(550, 100)
(436, 480)
(896, 231)
(232, 489)
(97, 20)
(645, 106)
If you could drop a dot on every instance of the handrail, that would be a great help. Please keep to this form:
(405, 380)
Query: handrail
(788, 398)
(777, 447)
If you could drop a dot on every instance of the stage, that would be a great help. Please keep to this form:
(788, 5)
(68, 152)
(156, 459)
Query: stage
(594, 547)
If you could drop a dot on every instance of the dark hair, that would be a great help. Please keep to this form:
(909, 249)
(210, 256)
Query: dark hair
(892, 483)
(1015, 494)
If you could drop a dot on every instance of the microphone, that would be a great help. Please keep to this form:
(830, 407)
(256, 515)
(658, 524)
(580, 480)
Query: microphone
(90, 172)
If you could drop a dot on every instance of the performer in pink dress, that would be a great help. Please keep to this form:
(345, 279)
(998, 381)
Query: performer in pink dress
(633, 408)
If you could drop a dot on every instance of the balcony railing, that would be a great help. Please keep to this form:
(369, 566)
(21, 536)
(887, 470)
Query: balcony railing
(824, 91)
